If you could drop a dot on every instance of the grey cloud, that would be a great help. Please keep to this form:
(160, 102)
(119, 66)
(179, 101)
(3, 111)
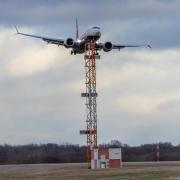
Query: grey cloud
(151, 21)
(51, 11)
(36, 106)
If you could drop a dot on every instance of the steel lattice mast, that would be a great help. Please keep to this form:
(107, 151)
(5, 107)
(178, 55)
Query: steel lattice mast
(91, 94)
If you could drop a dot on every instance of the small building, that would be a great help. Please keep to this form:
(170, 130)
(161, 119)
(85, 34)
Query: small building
(106, 158)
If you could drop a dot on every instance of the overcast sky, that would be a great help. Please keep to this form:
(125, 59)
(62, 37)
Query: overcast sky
(40, 84)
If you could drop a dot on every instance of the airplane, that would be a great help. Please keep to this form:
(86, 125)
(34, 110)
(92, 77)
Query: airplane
(78, 45)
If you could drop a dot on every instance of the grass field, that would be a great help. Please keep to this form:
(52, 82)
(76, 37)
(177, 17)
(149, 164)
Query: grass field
(133, 171)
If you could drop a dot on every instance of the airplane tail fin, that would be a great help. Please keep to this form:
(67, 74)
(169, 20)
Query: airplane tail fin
(77, 29)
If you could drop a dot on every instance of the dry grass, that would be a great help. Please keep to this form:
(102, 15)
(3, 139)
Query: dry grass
(132, 171)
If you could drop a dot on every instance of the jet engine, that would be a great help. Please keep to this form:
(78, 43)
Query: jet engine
(69, 42)
(107, 46)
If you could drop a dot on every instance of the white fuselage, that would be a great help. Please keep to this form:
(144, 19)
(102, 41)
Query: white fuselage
(92, 33)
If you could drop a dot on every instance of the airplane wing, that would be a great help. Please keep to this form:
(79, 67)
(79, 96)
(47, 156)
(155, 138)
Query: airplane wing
(120, 46)
(111, 46)
(47, 39)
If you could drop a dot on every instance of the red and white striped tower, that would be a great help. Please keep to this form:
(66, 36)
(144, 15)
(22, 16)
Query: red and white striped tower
(90, 95)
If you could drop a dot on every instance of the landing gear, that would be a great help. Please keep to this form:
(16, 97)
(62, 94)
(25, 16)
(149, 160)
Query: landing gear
(73, 52)
(97, 54)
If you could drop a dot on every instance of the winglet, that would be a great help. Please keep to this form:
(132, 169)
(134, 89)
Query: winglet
(149, 46)
(17, 32)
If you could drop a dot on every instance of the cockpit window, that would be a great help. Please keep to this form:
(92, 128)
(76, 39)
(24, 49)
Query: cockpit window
(96, 27)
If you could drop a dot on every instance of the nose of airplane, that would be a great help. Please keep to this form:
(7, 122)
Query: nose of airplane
(96, 33)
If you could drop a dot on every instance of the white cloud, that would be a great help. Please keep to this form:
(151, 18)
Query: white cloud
(33, 60)
(25, 56)
(132, 85)
(140, 104)
(146, 82)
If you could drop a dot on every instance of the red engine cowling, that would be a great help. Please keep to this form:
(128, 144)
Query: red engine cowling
(107, 46)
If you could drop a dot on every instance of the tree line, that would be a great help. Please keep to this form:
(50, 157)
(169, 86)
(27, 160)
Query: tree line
(67, 153)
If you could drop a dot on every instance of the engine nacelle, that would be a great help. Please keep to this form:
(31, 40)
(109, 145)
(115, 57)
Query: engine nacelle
(69, 42)
(107, 46)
